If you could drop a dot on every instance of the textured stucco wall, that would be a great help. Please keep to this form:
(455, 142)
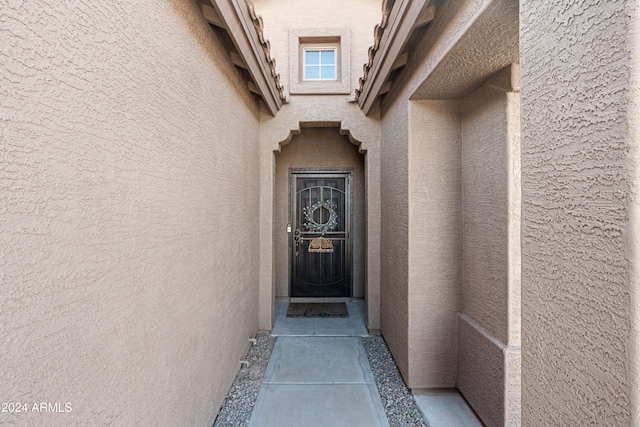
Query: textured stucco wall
(578, 181)
(435, 242)
(318, 148)
(634, 222)
(128, 206)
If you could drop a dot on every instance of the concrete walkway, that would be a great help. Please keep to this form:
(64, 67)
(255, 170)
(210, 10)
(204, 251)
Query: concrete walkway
(318, 381)
(319, 375)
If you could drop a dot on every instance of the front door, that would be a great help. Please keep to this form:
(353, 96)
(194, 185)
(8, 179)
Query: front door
(321, 215)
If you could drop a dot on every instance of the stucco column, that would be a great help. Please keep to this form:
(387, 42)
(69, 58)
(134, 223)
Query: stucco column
(372, 244)
(434, 242)
(266, 290)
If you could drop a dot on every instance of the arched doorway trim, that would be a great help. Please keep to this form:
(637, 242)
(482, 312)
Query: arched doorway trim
(361, 131)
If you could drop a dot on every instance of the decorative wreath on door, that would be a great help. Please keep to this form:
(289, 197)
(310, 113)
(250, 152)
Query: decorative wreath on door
(317, 227)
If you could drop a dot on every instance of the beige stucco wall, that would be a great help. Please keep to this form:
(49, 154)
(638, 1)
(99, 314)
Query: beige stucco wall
(129, 209)
(579, 85)
(634, 214)
(318, 148)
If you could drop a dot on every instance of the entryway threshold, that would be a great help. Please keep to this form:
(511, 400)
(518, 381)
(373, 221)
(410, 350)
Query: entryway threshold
(318, 300)
(352, 326)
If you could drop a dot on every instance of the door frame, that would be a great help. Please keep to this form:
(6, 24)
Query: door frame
(347, 173)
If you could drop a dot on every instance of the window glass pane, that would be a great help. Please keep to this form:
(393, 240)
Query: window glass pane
(312, 72)
(312, 57)
(320, 64)
(328, 72)
(327, 57)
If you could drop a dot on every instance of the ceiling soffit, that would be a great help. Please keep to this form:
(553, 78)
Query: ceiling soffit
(488, 43)
(467, 43)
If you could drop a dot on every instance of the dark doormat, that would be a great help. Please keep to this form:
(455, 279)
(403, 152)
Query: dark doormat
(332, 309)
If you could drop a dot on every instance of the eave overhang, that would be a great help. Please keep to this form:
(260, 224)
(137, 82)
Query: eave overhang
(399, 19)
(253, 53)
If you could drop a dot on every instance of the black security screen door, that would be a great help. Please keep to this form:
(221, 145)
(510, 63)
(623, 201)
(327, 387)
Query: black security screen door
(320, 218)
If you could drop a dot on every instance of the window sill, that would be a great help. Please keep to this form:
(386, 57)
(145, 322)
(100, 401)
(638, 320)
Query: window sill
(319, 88)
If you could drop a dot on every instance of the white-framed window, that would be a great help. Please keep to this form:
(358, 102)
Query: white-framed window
(320, 63)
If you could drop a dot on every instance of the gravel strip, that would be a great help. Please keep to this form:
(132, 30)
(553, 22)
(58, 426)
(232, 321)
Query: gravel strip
(398, 402)
(396, 398)
(237, 406)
